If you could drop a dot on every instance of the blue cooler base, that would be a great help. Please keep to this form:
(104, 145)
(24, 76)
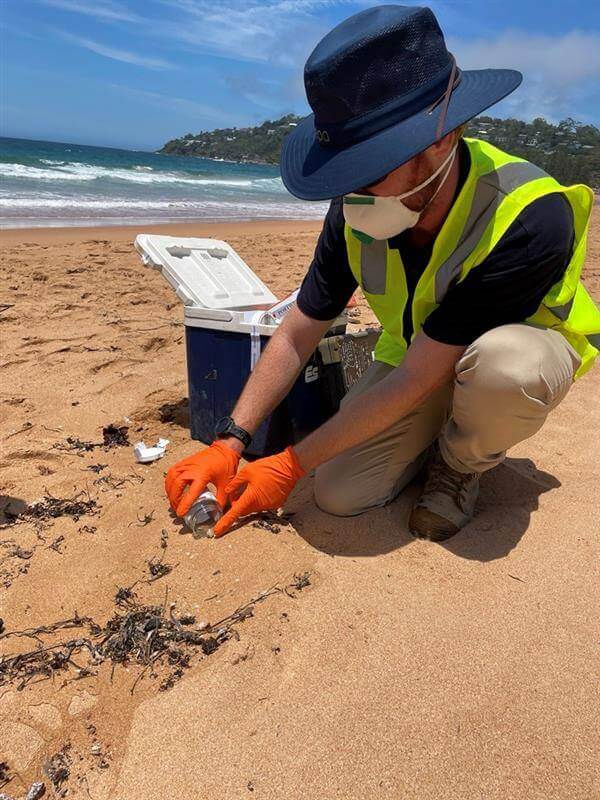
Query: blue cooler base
(218, 367)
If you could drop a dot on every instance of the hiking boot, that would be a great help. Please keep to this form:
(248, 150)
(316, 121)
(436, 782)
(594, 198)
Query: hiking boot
(447, 502)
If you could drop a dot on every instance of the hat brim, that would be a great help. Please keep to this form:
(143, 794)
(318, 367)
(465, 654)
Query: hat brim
(312, 171)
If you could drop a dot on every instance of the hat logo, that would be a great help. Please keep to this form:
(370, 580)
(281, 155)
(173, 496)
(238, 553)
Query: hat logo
(323, 136)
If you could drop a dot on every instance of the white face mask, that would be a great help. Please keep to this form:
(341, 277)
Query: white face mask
(384, 217)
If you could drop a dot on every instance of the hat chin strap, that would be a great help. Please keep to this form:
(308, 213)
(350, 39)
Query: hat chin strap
(453, 81)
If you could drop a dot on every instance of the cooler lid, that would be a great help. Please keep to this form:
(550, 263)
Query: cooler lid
(204, 272)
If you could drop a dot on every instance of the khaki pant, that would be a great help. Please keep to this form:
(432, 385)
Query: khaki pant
(506, 383)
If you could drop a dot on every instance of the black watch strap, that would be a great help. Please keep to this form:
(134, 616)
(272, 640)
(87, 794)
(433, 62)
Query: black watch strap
(227, 427)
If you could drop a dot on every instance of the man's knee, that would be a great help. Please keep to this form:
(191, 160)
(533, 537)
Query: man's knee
(516, 362)
(333, 493)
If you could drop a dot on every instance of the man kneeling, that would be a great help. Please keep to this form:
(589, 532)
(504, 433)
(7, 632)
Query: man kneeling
(469, 257)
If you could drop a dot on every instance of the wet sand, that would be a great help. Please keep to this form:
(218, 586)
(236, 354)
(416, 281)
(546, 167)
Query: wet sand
(404, 670)
(127, 233)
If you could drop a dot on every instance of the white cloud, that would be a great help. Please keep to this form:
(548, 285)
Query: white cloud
(114, 53)
(180, 104)
(106, 10)
(260, 92)
(280, 33)
(560, 72)
(569, 58)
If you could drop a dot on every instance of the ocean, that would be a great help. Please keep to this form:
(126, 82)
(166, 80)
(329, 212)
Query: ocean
(54, 184)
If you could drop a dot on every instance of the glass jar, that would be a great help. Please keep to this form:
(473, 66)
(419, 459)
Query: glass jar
(203, 515)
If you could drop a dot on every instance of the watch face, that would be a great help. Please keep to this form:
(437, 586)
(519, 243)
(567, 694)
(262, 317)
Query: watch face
(222, 425)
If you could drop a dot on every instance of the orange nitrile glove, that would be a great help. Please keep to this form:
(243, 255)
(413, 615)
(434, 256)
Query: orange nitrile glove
(265, 484)
(217, 464)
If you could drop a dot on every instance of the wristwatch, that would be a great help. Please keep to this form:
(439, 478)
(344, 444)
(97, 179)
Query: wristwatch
(227, 427)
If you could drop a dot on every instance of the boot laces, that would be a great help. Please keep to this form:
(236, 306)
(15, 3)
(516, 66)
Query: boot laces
(442, 478)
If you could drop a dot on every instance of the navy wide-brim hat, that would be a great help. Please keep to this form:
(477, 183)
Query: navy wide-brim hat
(383, 87)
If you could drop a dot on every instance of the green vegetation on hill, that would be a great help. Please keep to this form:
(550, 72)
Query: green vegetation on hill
(259, 145)
(569, 151)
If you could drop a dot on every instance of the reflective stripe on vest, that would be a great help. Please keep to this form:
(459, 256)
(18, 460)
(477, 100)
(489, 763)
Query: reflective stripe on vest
(489, 193)
(498, 187)
(373, 266)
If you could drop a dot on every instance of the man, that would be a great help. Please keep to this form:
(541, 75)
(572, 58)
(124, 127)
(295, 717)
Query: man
(469, 257)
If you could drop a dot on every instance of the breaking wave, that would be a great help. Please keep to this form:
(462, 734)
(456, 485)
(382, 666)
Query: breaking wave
(50, 183)
(75, 171)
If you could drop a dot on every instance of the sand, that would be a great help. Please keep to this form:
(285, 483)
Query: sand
(404, 670)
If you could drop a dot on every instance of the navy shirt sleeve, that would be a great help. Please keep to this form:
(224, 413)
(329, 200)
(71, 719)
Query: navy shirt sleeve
(513, 280)
(329, 282)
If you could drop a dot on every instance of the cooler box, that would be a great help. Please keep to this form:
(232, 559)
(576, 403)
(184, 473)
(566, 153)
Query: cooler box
(229, 315)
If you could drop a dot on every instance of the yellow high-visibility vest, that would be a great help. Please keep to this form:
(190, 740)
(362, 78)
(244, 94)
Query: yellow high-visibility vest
(498, 187)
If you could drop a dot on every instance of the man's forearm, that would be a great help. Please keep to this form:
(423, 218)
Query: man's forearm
(271, 380)
(427, 366)
(278, 367)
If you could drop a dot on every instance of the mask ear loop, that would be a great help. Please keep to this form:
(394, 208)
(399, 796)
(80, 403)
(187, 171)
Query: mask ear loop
(443, 181)
(453, 81)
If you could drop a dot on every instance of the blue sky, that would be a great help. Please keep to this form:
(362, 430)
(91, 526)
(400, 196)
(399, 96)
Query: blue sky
(136, 73)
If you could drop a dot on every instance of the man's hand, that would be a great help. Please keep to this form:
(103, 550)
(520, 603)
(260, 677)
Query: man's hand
(217, 465)
(259, 486)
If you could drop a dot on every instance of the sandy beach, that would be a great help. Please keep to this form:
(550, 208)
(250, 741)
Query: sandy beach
(378, 667)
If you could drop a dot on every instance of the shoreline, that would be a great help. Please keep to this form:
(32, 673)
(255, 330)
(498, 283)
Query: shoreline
(219, 160)
(128, 232)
